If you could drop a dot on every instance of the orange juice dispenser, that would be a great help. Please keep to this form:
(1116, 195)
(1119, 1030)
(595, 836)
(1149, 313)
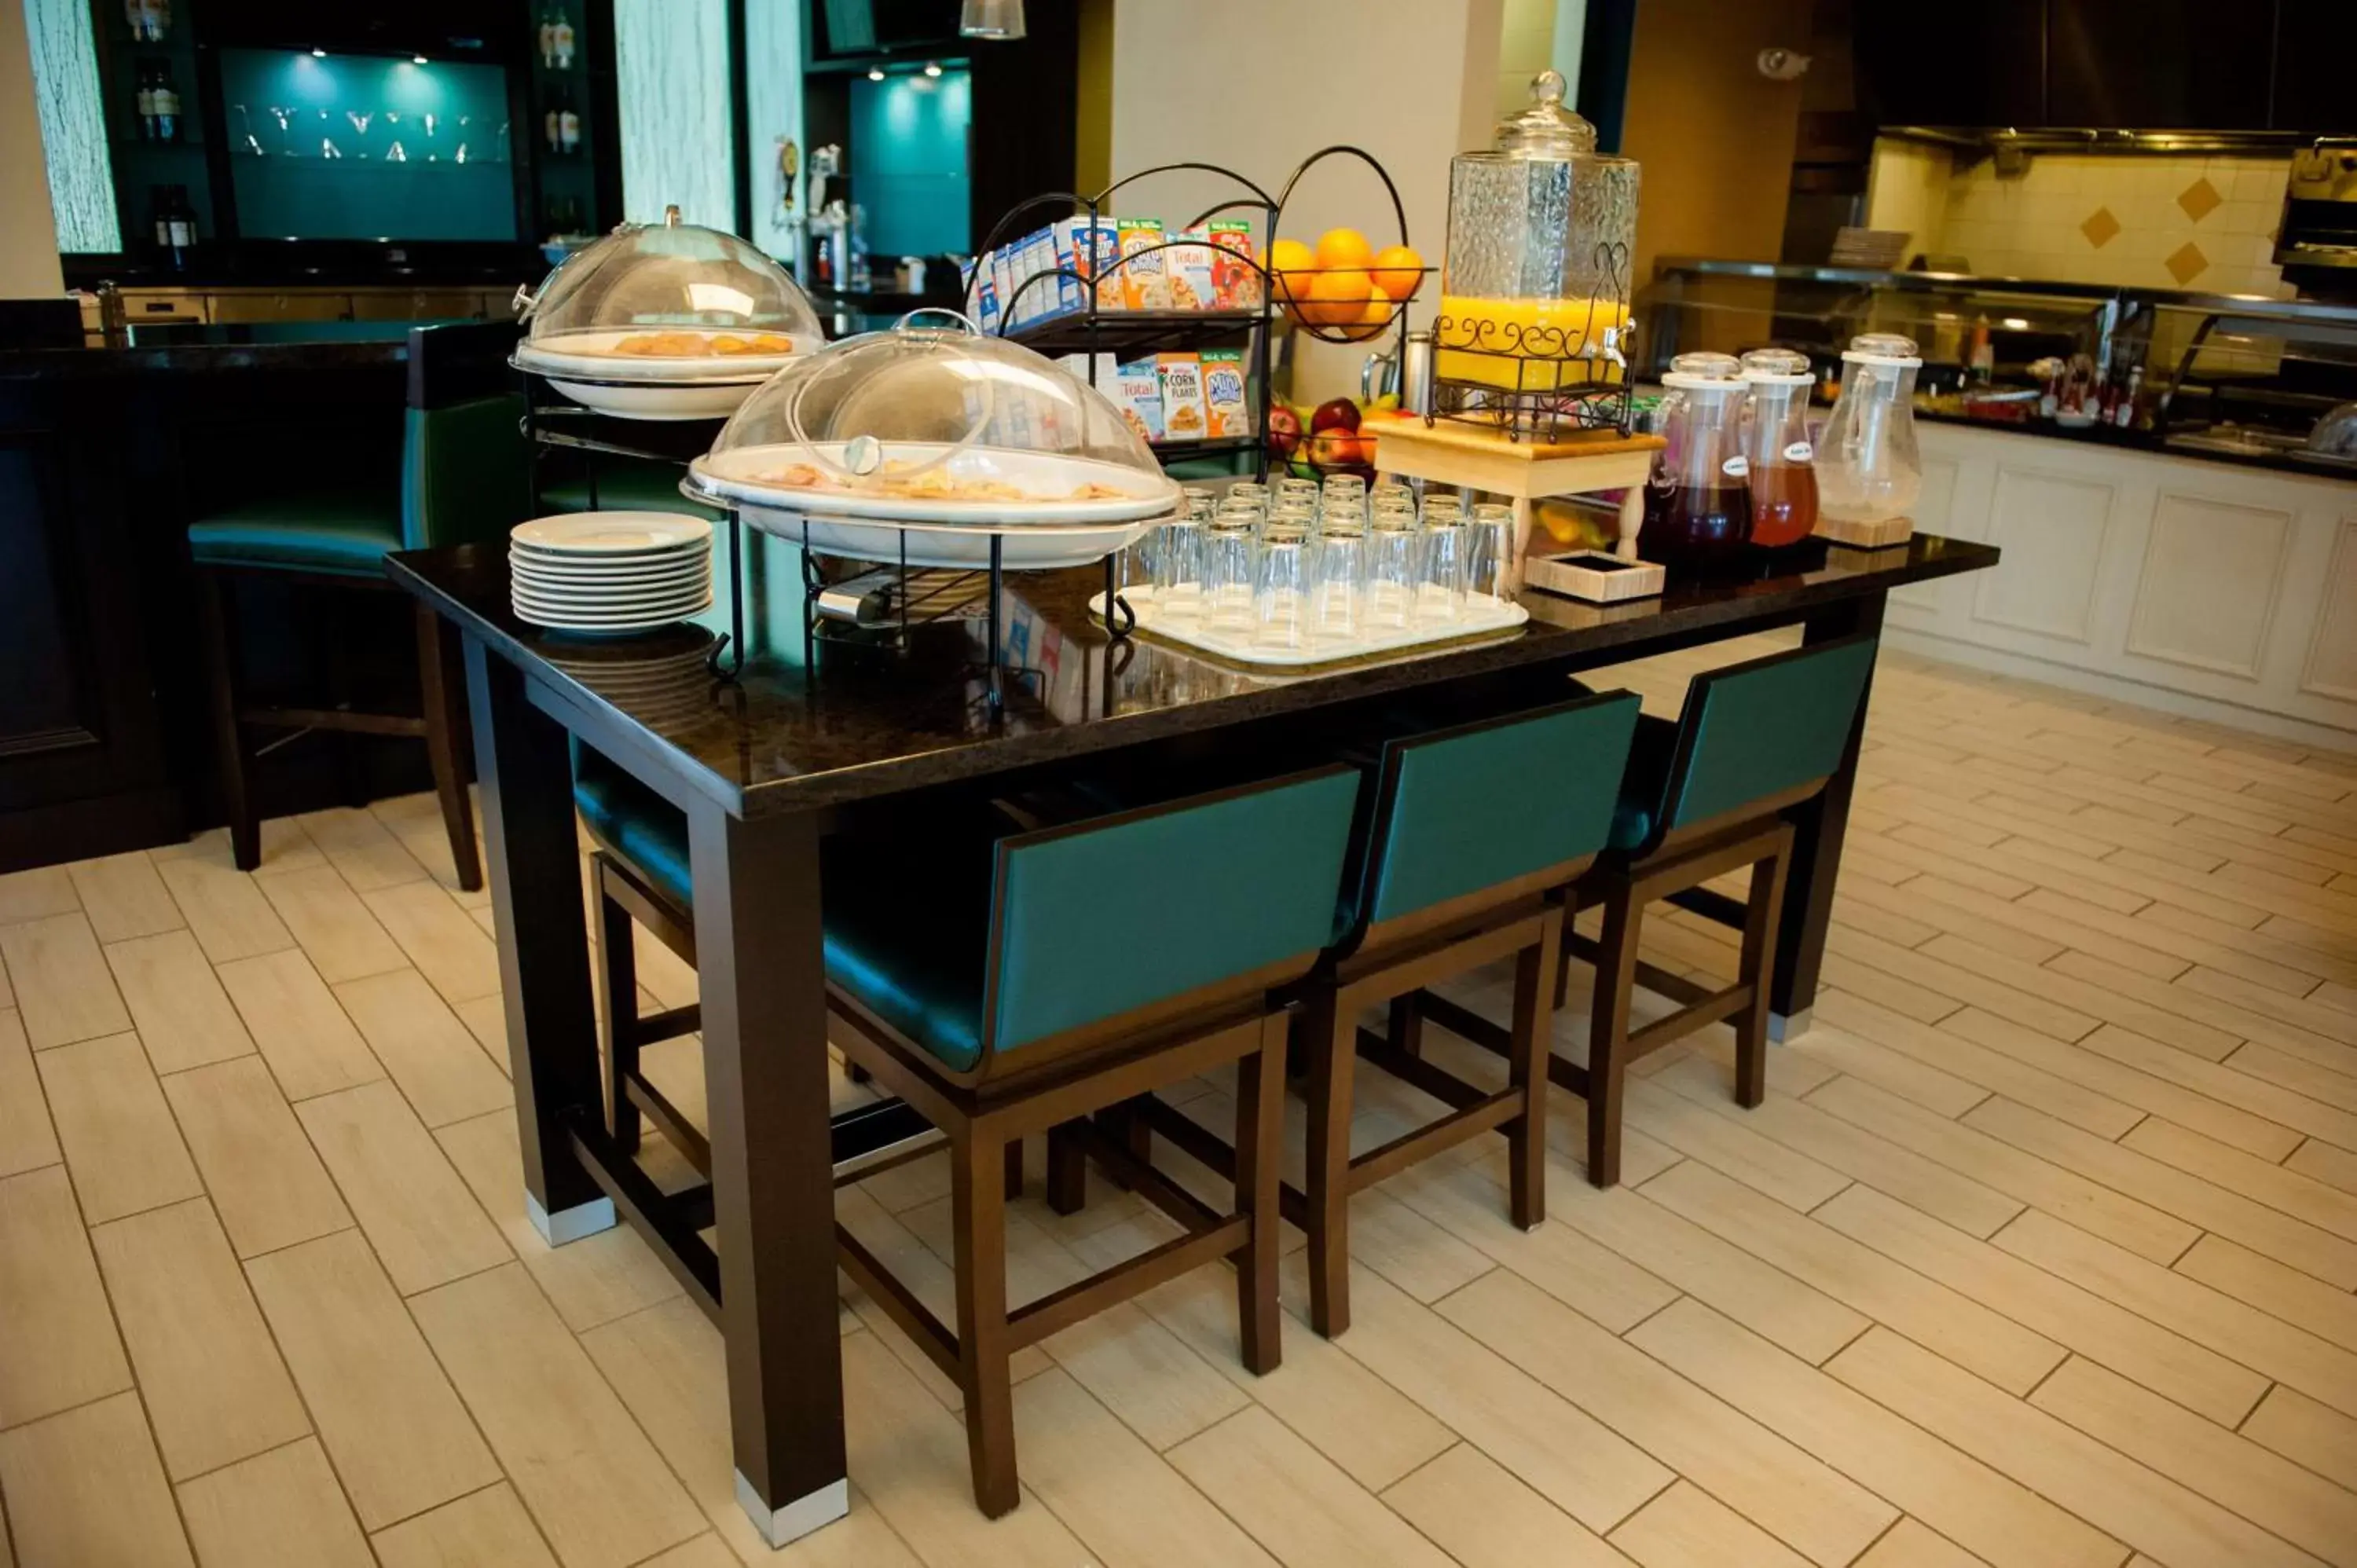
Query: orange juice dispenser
(1534, 291)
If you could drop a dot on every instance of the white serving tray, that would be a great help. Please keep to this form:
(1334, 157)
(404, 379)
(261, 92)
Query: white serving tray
(1480, 620)
(590, 356)
(962, 547)
(731, 478)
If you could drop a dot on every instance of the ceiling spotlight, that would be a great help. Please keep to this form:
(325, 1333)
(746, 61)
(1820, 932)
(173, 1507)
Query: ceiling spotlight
(875, 73)
(417, 59)
(1000, 20)
(932, 70)
(318, 54)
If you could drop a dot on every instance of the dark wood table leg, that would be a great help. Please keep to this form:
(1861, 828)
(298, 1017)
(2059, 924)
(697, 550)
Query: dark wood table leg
(763, 972)
(526, 772)
(1818, 828)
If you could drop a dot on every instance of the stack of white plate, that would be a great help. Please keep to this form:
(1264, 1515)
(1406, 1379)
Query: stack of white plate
(610, 572)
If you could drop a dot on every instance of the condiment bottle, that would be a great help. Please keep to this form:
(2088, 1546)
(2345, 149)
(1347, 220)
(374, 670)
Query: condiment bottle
(1783, 476)
(1698, 500)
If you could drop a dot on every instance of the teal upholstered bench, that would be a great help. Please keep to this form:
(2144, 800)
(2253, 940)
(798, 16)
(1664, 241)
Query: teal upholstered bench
(1704, 797)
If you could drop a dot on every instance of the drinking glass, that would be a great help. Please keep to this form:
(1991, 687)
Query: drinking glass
(1228, 586)
(1292, 486)
(1339, 581)
(1489, 556)
(1296, 516)
(1346, 488)
(1281, 592)
(1201, 502)
(1443, 505)
(1441, 586)
(1393, 570)
(1178, 567)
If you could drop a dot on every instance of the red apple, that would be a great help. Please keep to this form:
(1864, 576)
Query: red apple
(1335, 414)
(1284, 430)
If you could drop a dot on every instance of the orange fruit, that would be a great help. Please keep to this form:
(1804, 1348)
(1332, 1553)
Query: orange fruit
(1343, 248)
(1338, 298)
(1397, 271)
(1291, 262)
(1373, 319)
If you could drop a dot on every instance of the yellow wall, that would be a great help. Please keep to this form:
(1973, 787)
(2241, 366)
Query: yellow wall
(29, 235)
(1713, 136)
(1092, 111)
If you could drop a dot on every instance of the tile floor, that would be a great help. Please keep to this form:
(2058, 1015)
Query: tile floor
(2041, 1251)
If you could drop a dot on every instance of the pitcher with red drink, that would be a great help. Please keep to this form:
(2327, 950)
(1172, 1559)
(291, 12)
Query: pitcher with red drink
(1698, 502)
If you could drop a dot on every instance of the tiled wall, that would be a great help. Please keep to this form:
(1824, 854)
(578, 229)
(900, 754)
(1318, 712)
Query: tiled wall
(73, 124)
(2134, 220)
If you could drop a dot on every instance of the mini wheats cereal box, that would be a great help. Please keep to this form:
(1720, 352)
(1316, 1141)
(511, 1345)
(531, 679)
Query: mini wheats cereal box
(1223, 393)
(1145, 264)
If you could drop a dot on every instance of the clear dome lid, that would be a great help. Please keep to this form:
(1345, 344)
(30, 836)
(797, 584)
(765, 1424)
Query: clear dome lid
(1705, 373)
(671, 291)
(1882, 349)
(1777, 367)
(1546, 129)
(942, 417)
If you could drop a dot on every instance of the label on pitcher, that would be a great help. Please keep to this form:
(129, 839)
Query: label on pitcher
(1735, 468)
(1799, 452)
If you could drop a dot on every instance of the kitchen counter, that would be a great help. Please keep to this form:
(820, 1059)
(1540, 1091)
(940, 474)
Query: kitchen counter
(271, 345)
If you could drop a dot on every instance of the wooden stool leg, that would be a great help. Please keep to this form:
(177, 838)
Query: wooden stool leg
(1332, 1036)
(1532, 1046)
(1068, 1169)
(215, 612)
(1406, 1026)
(1761, 916)
(978, 1211)
(1607, 1034)
(617, 1003)
(1260, 1154)
(446, 722)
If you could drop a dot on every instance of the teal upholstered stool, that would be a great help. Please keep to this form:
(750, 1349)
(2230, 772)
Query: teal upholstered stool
(621, 484)
(1006, 984)
(463, 478)
(1705, 796)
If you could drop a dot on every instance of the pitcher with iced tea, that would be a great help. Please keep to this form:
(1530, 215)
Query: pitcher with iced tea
(1698, 500)
(1783, 477)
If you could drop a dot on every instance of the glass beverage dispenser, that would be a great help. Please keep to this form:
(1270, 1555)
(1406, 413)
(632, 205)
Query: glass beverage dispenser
(1535, 289)
(1868, 469)
(1698, 502)
(1783, 476)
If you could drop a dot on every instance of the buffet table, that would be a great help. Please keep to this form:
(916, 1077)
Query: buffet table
(812, 733)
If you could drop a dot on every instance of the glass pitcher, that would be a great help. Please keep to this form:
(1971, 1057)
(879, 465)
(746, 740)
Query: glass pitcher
(1870, 469)
(1699, 499)
(1783, 477)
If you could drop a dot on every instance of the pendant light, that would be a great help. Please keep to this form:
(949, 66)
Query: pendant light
(1001, 20)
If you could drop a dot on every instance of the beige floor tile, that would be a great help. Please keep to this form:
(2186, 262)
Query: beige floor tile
(486, 1018)
(85, 1491)
(2268, 1490)
(123, 897)
(2198, 1379)
(8, 1553)
(224, 907)
(33, 895)
(59, 1348)
(1686, 1527)
(1295, 1503)
(2164, 1187)
(298, 1026)
(591, 1281)
(279, 1509)
(183, 1016)
(1912, 1545)
(1730, 1146)
(1555, 1447)
(62, 982)
(2003, 1351)
(1899, 1462)
(2217, 944)
(360, 847)
(2108, 1490)
(1987, 1071)
(261, 1171)
(2319, 1203)
(120, 1141)
(396, 1432)
(343, 939)
(2328, 1084)
(418, 1214)
(447, 948)
(2334, 1166)
(1146, 1375)
(589, 1475)
(1483, 1518)
(1995, 1162)
(422, 1044)
(2276, 1288)
(2307, 1432)
(485, 1530)
(27, 1139)
(1849, 1149)
(703, 1552)
(2054, 986)
(284, 847)
(215, 1388)
(1800, 1501)
(2227, 1085)
(670, 1367)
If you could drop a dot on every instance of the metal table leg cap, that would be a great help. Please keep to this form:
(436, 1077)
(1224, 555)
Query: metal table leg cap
(570, 1224)
(1783, 1027)
(797, 1519)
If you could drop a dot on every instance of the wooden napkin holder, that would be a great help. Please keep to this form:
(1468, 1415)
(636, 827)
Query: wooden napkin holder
(1597, 577)
(1879, 535)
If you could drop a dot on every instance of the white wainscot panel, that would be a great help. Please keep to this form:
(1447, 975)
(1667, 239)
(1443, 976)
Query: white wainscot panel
(2332, 669)
(2051, 530)
(2213, 571)
(1920, 601)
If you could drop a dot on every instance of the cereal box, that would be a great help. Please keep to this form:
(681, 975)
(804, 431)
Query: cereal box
(1038, 257)
(1138, 392)
(1104, 265)
(1229, 411)
(1184, 416)
(1190, 272)
(1088, 249)
(1235, 282)
(1145, 265)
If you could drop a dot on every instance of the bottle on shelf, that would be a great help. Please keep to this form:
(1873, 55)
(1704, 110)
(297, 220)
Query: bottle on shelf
(149, 20)
(548, 38)
(176, 224)
(1981, 357)
(551, 124)
(568, 127)
(146, 100)
(561, 43)
(166, 99)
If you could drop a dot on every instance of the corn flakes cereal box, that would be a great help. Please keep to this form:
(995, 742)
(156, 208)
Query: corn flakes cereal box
(1145, 265)
(1184, 416)
(1235, 281)
(1228, 410)
(1190, 271)
(1138, 392)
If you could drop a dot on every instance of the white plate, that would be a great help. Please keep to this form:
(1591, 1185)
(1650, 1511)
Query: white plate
(591, 355)
(1036, 548)
(701, 400)
(571, 620)
(527, 569)
(735, 475)
(605, 535)
(694, 597)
